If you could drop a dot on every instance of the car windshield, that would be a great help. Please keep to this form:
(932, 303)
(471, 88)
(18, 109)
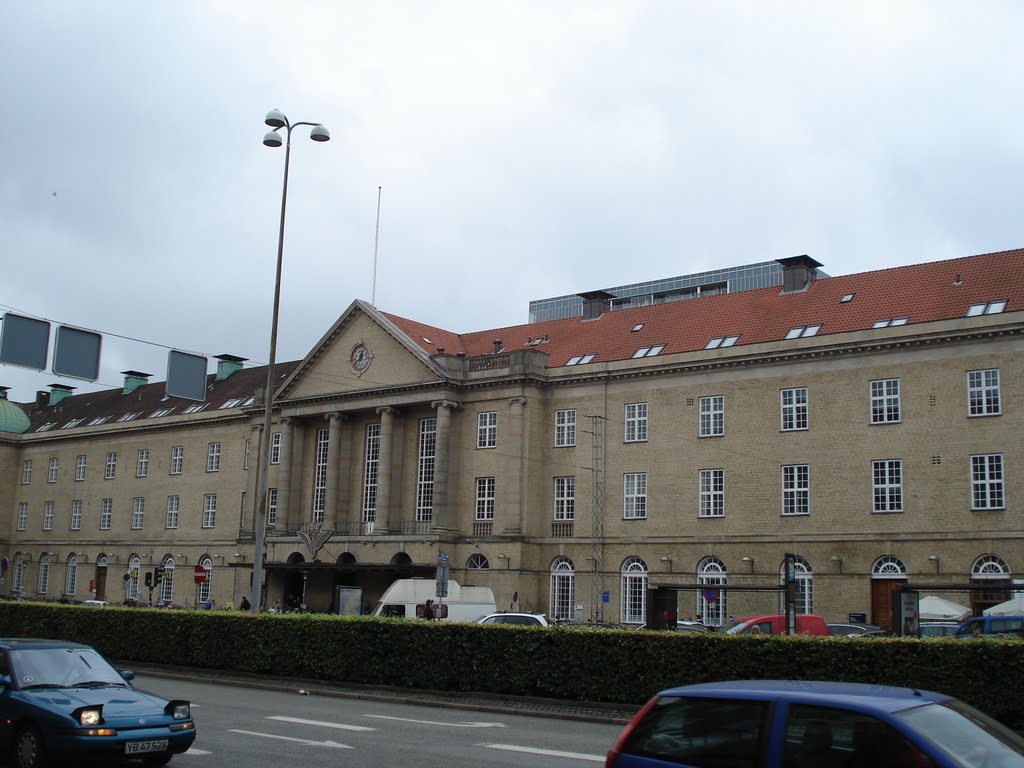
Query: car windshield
(970, 738)
(62, 668)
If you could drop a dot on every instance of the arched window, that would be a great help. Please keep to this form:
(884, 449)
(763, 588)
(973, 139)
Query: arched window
(634, 591)
(477, 562)
(18, 578)
(167, 583)
(711, 600)
(563, 589)
(134, 566)
(44, 574)
(204, 589)
(990, 567)
(71, 579)
(804, 586)
(101, 561)
(994, 574)
(889, 567)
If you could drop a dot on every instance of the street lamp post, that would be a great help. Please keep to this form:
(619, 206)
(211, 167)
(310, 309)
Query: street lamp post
(276, 120)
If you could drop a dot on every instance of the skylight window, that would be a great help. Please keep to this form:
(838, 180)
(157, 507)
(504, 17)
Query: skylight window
(426, 339)
(580, 359)
(637, 327)
(99, 420)
(195, 408)
(73, 423)
(131, 416)
(986, 308)
(889, 322)
(47, 426)
(160, 412)
(231, 403)
(649, 351)
(847, 298)
(803, 331)
(249, 400)
(721, 341)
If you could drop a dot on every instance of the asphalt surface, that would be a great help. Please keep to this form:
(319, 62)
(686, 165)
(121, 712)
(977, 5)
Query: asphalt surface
(593, 712)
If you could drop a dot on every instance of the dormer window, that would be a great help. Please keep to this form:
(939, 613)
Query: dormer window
(721, 341)
(889, 322)
(803, 331)
(580, 359)
(649, 351)
(986, 308)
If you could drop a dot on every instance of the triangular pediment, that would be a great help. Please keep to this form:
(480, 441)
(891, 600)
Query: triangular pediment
(363, 350)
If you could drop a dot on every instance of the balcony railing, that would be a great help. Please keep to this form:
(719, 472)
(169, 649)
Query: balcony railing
(562, 529)
(483, 528)
(489, 362)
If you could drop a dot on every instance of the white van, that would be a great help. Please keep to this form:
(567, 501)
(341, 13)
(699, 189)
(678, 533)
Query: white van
(406, 598)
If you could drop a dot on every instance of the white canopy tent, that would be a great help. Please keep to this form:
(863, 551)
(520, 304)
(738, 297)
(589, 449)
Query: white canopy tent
(1012, 607)
(934, 608)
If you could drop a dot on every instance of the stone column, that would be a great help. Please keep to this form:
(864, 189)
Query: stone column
(333, 447)
(343, 469)
(515, 469)
(442, 517)
(387, 432)
(284, 474)
(252, 478)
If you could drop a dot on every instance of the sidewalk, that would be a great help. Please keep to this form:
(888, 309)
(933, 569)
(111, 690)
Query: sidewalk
(594, 712)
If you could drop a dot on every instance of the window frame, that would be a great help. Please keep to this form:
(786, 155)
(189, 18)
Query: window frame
(177, 460)
(796, 490)
(991, 488)
(487, 429)
(886, 486)
(565, 428)
(564, 509)
(711, 416)
(138, 512)
(636, 420)
(984, 398)
(634, 495)
(110, 466)
(485, 499)
(884, 400)
(172, 511)
(796, 412)
(213, 457)
(209, 510)
(142, 463)
(711, 493)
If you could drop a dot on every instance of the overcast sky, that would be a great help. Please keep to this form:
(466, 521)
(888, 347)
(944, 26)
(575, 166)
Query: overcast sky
(525, 150)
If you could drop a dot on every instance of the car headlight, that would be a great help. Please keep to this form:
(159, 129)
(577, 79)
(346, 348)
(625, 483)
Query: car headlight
(89, 716)
(179, 710)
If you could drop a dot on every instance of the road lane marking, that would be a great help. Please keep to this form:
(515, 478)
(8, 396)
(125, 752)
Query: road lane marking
(434, 722)
(546, 752)
(309, 742)
(320, 723)
(194, 751)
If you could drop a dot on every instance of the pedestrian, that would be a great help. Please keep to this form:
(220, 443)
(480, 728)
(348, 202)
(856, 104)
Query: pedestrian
(245, 605)
(277, 607)
(428, 610)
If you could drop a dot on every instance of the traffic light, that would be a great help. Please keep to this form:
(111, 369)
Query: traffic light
(149, 579)
(158, 575)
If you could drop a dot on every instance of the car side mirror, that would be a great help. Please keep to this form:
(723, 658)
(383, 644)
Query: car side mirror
(127, 674)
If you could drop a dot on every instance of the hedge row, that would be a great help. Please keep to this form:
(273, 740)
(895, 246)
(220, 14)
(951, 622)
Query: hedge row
(578, 664)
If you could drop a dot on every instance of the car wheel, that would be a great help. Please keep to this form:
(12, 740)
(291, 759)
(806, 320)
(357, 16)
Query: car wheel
(28, 748)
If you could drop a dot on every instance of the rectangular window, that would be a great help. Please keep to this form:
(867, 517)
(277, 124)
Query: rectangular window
(712, 493)
(48, 516)
(634, 495)
(565, 498)
(106, 513)
(425, 471)
(173, 505)
(245, 454)
(487, 430)
(23, 516)
(885, 401)
(80, 468)
(320, 475)
(565, 428)
(370, 466)
(796, 489)
(636, 422)
(485, 498)
(177, 459)
(110, 467)
(209, 510)
(887, 485)
(987, 482)
(138, 512)
(983, 393)
(275, 448)
(712, 416)
(794, 409)
(76, 515)
(142, 463)
(272, 507)
(213, 457)
(51, 475)
(26, 472)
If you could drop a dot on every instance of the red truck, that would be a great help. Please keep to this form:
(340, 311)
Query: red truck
(775, 624)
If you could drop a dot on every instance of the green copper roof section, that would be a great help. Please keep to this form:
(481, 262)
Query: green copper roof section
(12, 417)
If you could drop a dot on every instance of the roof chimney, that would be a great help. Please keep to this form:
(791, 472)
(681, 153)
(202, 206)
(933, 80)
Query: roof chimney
(798, 272)
(42, 398)
(228, 364)
(133, 380)
(595, 303)
(497, 346)
(58, 392)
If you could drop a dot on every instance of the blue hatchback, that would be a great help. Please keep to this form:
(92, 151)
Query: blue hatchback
(797, 724)
(62, 704)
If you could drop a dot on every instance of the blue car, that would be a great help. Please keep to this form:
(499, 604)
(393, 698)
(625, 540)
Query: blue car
(63, 704)
(797, 724)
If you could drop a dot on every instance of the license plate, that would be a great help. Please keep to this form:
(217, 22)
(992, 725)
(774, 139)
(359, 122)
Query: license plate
(141, 747)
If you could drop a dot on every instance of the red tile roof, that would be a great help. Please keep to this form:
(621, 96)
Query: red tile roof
(921, 293)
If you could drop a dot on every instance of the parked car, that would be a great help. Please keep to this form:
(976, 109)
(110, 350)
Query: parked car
(1007, 626)
(937, 628)
(686, 626)
(523, 618)
(852, 629)
(775, 624)
(762, 723)
(62, 703)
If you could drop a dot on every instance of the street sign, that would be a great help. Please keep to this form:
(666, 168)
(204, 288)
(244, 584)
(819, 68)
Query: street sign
(201, 574)
(711, 594)
(606, 596)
